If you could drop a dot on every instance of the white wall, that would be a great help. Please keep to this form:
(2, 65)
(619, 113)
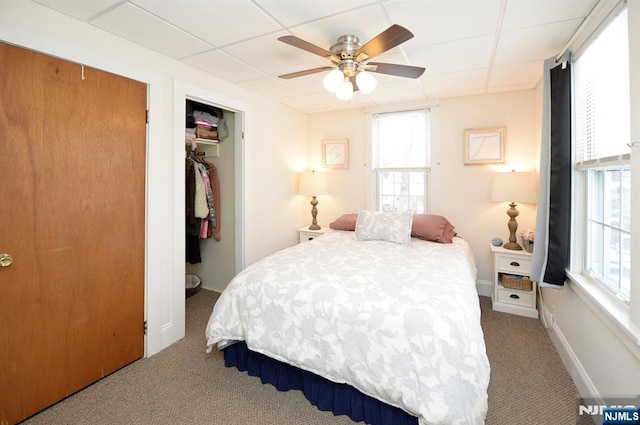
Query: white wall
(275, 148)
(346, 187)
(464, 192)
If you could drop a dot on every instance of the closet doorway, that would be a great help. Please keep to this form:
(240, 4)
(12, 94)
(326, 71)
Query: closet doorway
(72, 208)
(224, 258)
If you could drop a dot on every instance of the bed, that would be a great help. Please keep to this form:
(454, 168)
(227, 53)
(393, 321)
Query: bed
(397, 323)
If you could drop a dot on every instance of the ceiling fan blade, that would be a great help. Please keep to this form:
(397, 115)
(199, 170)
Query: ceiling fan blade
(384, 41)
(305, 72)
(305, 45)
(395, 69)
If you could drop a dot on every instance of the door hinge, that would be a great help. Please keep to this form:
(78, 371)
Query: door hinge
(147, 117)
(145, 327)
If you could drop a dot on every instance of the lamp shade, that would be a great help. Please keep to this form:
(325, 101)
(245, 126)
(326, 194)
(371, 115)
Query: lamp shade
(345, 90)
(312, 183)
(332, 80)
(366, 82)
(517, 187)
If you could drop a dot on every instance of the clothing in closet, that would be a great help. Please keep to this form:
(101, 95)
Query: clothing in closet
(202, 205)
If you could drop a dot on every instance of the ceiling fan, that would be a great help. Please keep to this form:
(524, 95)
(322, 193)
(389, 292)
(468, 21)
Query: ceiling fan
(350, 64)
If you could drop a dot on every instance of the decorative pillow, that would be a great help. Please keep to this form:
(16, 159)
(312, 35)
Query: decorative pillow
(345, 222)
(384, 226)
(432, 227)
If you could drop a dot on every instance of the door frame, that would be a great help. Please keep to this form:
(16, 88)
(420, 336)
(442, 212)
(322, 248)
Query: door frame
(181, 92)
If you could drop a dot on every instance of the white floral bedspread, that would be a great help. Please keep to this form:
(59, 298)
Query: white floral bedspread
(399, 323)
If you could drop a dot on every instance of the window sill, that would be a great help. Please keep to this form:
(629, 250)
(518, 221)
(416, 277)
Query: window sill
(613, 311)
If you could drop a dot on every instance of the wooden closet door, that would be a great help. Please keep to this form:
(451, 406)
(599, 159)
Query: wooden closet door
(72, 216)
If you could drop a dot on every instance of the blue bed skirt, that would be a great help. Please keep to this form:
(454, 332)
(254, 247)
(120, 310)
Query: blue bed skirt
(341, 399)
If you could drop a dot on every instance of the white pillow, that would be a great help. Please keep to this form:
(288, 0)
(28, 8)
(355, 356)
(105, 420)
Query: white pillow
(384, 226)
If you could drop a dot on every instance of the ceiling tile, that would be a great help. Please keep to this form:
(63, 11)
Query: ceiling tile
(528, 73)
(134, 24)
(455, 56)
(269, 87)
(79, 9)
(400, 90)
(274, 57)
(224, 66)
(290, 12)
(457, 84)
(218, 22)
(305, 103)
(439, 21)
(526, 13)
(534, 43)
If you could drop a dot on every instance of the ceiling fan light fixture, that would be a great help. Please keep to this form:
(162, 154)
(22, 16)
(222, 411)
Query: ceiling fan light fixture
(349, 58)
(345, 91)
(333, 80)
(366, 82)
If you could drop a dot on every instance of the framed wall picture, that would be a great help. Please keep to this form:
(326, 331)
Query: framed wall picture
(484, 145)
(335, 153)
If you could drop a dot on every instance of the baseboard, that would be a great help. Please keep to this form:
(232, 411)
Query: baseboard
(581, 379)
(484, 287)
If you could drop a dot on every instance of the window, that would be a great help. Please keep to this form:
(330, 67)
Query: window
(602, 134)
(400, 158)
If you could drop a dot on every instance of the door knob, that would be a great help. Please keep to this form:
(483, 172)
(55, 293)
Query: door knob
(5, 260)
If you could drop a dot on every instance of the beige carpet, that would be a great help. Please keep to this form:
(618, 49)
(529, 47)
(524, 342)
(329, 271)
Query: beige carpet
(183, 385)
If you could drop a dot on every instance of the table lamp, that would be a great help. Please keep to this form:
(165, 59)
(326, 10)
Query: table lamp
(313, 184)
(513, 187)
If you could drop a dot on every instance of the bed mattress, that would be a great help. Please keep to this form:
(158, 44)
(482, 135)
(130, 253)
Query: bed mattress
(400, 323)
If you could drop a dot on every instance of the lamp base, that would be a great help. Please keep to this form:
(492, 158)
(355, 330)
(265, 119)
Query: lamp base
(512, 212)
(314, 214)
(512, 245)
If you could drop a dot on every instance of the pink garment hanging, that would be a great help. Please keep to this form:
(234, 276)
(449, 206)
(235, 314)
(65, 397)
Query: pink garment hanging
(204, 228)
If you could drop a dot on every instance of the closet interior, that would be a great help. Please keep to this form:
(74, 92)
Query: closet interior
(209, 197)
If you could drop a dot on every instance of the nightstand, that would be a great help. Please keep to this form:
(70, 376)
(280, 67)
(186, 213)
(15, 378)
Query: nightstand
(508, 262)
(307, 235)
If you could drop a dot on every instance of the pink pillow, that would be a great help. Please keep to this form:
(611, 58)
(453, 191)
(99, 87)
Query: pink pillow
(345, 222)
(432, 227)
(429, 227)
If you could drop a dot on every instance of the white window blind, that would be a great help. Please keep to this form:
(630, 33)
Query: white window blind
(601, 76)
(602, 133)
(400, 150)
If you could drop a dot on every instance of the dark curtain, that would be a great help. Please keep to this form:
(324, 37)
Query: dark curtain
(553, 224)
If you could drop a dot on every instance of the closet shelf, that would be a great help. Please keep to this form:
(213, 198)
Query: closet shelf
(210, 146)
(207, 142)
(213, 147)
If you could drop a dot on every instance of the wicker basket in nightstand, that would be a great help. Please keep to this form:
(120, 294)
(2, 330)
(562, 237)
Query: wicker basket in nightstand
(522, 283)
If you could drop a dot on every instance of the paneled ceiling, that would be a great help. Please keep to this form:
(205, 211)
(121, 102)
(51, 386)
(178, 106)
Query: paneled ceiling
(467, 46)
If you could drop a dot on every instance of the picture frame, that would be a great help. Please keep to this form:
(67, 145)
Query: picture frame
(335, 153)
(484, 146)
